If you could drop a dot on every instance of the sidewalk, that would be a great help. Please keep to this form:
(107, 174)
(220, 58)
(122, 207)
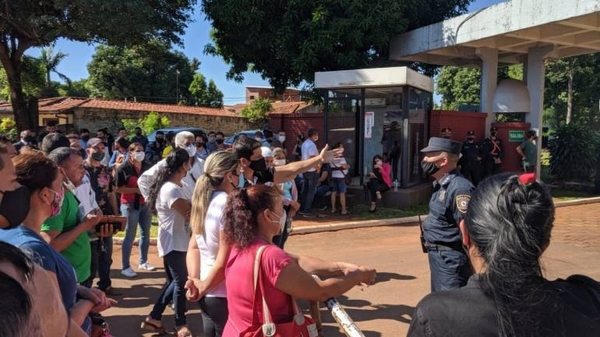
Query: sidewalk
(335, 222)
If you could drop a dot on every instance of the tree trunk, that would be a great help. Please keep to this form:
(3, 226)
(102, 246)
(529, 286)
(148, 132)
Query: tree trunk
(570, 91)
(11, 61)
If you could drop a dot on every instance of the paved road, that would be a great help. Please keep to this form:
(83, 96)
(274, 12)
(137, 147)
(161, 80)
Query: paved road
(384, 309)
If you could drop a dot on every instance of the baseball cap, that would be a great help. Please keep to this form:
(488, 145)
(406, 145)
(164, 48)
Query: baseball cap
(94, 142)
(443, 144)
(266, 152)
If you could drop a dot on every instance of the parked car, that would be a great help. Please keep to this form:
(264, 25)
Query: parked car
(231, 139)
(176, 130)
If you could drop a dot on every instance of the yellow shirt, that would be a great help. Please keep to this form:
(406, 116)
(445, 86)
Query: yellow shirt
(167, 150)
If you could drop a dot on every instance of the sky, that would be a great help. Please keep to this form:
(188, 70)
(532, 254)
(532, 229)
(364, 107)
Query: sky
(195, 38)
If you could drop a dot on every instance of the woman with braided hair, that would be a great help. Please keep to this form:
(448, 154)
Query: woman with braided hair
(208, 251)
(507, 228)
(172, 209)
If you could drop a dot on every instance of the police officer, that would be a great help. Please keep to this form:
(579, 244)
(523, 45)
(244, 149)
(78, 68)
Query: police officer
(447, 133)
(471, 159)
(448, 261)
(493, 153)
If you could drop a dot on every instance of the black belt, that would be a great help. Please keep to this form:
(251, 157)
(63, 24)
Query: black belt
(436, 247)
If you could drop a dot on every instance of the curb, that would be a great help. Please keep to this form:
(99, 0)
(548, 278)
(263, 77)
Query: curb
(406, 221)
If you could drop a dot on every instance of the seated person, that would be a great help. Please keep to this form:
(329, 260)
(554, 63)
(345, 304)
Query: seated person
(379, 180)
(323, 188)
(507, 228)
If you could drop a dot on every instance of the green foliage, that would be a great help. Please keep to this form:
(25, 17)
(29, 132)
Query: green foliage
(8, 127)
(288, 41)
(79, 88)
(152, 121)
(50, 62)
(150, 73)
(573, 151)
(26, 24)
(203, 94)
(32, 82)
(258, 111)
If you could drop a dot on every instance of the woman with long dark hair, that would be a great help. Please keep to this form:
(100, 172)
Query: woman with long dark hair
(208, 250)
(380, 180)
(507, 228)
(252, 217)
(172, 209)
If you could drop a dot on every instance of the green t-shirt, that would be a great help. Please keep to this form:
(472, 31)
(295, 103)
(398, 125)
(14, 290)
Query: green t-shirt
(530, 151)
(79, 252)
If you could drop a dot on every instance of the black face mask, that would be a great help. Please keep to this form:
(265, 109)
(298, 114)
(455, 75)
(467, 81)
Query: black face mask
(429, 168)
(15, 206)
(219, 141)
(97, 156)
(494, 134)
(29, 139)
(258, 165)
(470, 138)
(85, 137)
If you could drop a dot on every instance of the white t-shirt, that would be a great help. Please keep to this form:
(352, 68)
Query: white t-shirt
(147, 178)
(338, 163)
(86, 196)
(309, 149)
(172, 235)
(208, 243)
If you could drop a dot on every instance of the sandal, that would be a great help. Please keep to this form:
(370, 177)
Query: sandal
(183, 331)
(345, 212)
(333, 210)
(149, 326)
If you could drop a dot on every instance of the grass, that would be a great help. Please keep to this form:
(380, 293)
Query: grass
(362, 211)
(153, 230)
(561, 194)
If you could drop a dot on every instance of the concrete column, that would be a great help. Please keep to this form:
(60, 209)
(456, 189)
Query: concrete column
(534, 77)
(489, 80)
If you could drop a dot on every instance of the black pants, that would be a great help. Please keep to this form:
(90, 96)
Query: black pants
(101, 263)
(375, 185)
(472, 171)
(491, 168)
(395, 160)
(214, 315)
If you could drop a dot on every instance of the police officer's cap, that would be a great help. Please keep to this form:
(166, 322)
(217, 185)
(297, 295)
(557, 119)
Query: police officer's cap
(493, 129)
(443, 145)
(444, 130)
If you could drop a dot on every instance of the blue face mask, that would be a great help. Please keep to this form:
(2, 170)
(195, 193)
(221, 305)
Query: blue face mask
(242, 181)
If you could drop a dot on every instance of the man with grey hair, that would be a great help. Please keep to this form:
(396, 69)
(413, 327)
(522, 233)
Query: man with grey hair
(183, 140)
(68, 231)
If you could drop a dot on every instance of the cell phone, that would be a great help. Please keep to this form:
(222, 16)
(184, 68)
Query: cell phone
(116, 226)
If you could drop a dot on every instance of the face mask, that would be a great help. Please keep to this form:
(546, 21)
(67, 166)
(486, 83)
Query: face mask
(97, 156)
(85, 137)
(15, 206)
(279, 162)
(191, 150)
(138, 133)
(211, 138)
(281, 139)
(67, 182)
(494, 134)
(281, 219)
(139, 156)
(258, 165)
(241, 181)
(258, 139)
(219, 141)
(29, 139)
(378, 162)
(429, 168)
(159, 140)
(470, 138)
(57, 202)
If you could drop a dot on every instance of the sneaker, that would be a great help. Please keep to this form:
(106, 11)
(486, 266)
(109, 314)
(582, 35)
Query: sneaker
(110, 291)
(324, 208)
(309, 215)
(146, 266)
(128, 272)
(378, 194)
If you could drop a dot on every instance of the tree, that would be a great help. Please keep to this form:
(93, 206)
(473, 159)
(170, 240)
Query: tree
(32, 23)
(203, 94)
(258, 111)
(151, 73)
(33, 79)
(288, 41)
(50, 62)
(75, 88)
(152, 121)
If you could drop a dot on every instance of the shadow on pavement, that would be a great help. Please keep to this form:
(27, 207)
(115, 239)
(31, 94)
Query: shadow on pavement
(401, 313)
(384, 277)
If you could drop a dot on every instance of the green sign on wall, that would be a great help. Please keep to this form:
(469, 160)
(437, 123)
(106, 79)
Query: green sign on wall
(516, 136)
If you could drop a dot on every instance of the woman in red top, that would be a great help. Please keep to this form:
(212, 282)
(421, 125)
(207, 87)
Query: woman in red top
(251, 218)
(133, 207)
(380, 180)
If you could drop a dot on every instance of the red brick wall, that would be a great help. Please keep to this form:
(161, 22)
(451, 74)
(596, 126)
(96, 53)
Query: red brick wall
(296, 124)
(512, 161)
(459, 122)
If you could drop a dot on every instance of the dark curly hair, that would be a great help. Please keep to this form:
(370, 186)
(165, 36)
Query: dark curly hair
(174, 161)
(243, 207)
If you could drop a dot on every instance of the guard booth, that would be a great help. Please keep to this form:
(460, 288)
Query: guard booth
(365, 108)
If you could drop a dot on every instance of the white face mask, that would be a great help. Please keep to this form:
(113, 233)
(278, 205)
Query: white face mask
(281, 139)
(279, 162)
(139, 156)
(191, 150)
(281, 220)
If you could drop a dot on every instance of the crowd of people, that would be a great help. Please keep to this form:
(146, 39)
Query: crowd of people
(64, 197)
(223, 219)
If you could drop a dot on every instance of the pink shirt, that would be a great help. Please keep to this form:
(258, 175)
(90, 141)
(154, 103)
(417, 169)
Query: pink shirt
(239, 280)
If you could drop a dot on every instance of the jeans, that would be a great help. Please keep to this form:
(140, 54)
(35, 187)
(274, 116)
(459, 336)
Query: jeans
(173, 290)
(309, 189)
(101, 262)
(376, 186)
(143, 217)
(321, 195)
(214, 315)
(450, 269)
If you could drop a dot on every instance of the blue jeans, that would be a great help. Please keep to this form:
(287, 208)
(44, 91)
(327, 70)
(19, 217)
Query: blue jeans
(173, 290)
(143, 217)
(450, 269)
(309, 189)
